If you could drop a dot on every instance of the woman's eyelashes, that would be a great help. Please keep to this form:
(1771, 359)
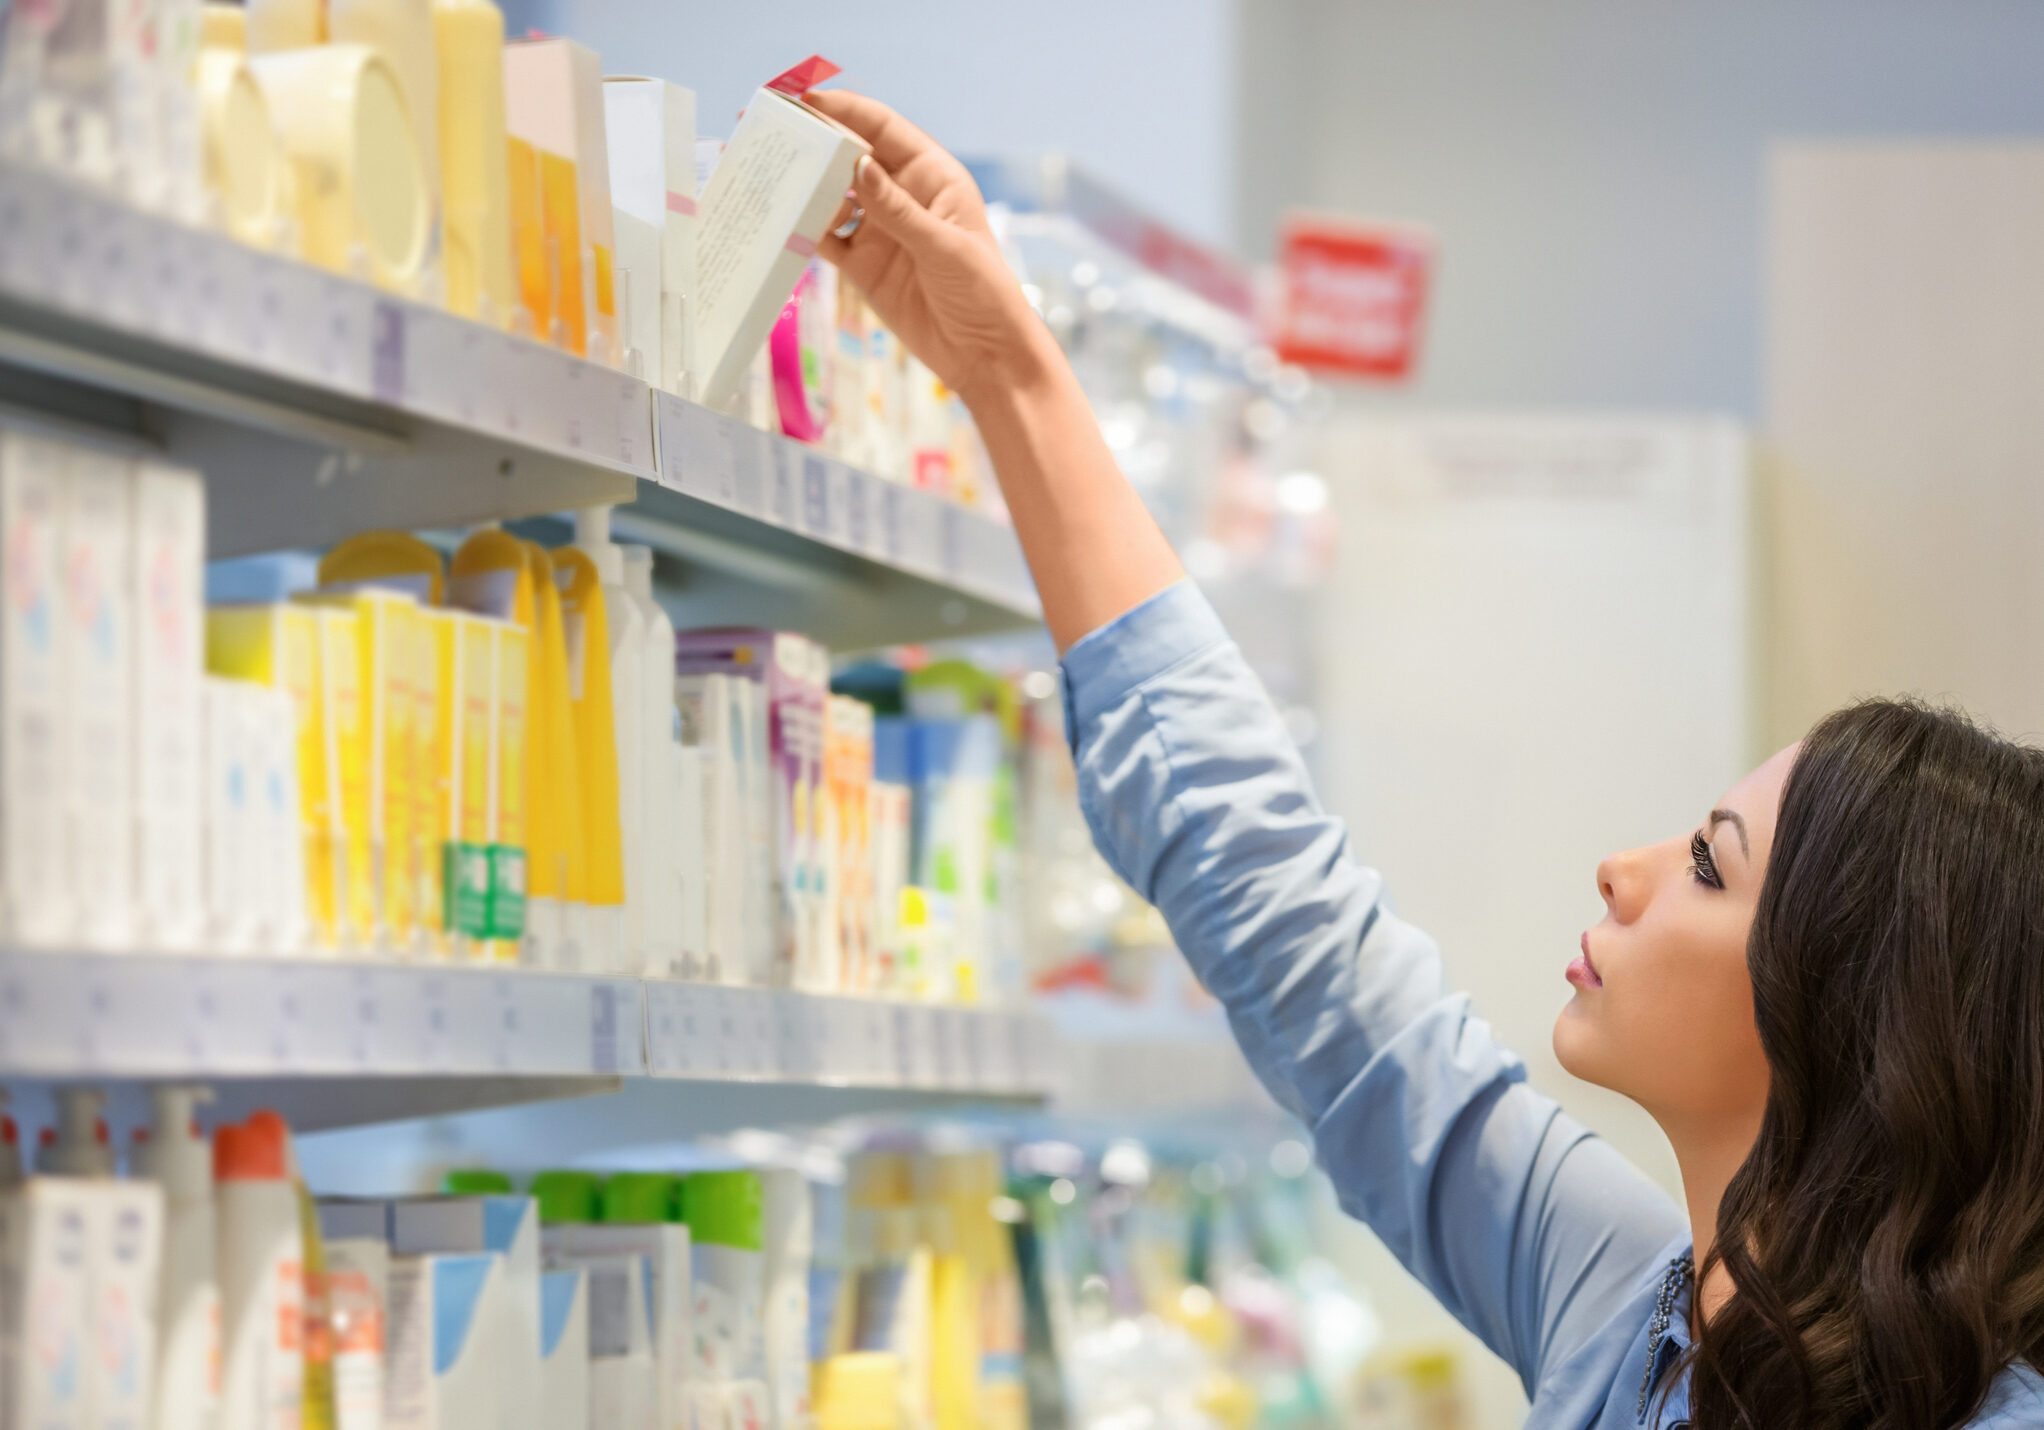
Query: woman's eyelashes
(1704, 862)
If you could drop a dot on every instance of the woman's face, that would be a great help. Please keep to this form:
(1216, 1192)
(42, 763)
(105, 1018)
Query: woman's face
(1663, 1007)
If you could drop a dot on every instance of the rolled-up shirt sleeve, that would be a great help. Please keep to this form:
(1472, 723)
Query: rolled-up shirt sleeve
(1525, 1225)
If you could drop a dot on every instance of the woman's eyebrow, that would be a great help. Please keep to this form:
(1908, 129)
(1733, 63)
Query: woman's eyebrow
(1731, 816)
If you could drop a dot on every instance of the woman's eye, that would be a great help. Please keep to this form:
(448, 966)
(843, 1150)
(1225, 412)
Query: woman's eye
(1705, 862)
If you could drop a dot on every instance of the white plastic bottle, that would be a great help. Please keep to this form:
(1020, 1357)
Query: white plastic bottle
(78, 1145)
(175, 1156)
(260, 1256)
(627, 667)
(665, 803)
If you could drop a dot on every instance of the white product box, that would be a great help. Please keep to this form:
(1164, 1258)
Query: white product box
(663, 1252)
(687, 815)
(564, 1349)
(650, 126)
(276, 822)
(124, 1243)
(358, 1290)
(777, 185)
(35, 887)
(99, 693)
(622, 1377)
(167, 583)
(232, 833)
(45, 1297)
(82, 89)
(444, 1370)
(713, 724)
(789, 1243)
(508, 1227)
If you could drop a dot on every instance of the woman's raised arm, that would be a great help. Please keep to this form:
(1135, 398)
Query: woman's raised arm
(927, 262)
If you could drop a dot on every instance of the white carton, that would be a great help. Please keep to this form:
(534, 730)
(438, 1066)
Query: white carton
(564, 1348)
(622, 1384)
(776, 186)
(45, 1232)
(691, 872)
(99, 693)
(124, 1255)
(276, 823)
(35, 887)
(168, 586)
(231, 849)
(650, 126)
(358, 1290)
(444, 1370)
(507, 1227)
(663, 1252)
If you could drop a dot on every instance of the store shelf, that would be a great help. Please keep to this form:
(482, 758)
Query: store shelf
(318, 407)
(1061, 216)
(769, 531)
(359, 1042)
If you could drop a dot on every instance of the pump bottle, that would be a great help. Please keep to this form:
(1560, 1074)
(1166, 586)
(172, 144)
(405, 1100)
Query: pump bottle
(172, 1153)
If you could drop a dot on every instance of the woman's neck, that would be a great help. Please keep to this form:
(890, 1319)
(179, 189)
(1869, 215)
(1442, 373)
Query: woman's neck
(1709, 1154)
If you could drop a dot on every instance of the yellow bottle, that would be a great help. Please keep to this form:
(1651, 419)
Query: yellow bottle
(276, 645)
(510, 806)
(491, 575)
(475, 198)
(559, 867)
(586, 625)
(383, 890)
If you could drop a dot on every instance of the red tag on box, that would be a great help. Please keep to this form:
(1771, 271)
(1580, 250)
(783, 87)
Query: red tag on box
(804, 77)
(1352, 296)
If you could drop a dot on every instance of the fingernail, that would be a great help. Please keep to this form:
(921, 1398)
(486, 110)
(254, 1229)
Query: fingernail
(859, 171)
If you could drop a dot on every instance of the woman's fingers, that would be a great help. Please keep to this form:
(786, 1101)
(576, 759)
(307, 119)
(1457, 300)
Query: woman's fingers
(894, 209)
(895, 141)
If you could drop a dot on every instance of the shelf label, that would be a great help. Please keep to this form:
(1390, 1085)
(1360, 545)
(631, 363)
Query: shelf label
(890, 503)
(387, 353)
(603, 1028)
(950, 540)
(634, 413)
(671, 422)
(751, 455)
(785, 460)
(858, 521)
(815, 496)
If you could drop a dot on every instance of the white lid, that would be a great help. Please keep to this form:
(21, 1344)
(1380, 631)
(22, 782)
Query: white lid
(176, 1154)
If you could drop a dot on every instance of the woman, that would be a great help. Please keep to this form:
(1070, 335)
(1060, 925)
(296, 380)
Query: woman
(1830, 993)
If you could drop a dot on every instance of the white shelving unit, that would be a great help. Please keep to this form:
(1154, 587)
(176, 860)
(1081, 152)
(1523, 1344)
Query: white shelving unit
(318, 406)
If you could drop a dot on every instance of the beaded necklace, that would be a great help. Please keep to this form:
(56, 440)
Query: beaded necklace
(1672, 1281)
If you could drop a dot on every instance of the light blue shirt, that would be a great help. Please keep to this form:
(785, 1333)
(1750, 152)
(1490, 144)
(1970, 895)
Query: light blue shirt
(1531, 1230)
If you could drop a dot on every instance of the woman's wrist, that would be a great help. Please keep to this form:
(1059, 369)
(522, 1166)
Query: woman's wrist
(1029, 362)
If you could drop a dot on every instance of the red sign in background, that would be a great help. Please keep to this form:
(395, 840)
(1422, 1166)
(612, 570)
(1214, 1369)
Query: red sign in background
(1352, 297)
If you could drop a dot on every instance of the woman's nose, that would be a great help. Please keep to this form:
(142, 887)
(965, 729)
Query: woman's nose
(1623, 881)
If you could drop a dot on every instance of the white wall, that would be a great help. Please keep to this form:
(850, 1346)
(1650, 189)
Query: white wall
(1139, 90)
(1594, 168)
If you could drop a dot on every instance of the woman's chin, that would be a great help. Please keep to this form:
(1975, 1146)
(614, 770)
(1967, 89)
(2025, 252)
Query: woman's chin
(1575, 1039)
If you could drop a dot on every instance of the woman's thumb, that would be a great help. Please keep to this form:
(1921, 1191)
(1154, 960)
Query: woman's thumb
(892, 207)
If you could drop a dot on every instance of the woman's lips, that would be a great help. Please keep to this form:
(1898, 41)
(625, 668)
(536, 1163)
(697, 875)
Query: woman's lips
(1581, 971)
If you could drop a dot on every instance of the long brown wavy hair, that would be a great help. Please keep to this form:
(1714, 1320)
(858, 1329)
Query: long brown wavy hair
(1885, 1238)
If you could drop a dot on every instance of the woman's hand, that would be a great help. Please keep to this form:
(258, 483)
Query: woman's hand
(926, 259)
(927, 262)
